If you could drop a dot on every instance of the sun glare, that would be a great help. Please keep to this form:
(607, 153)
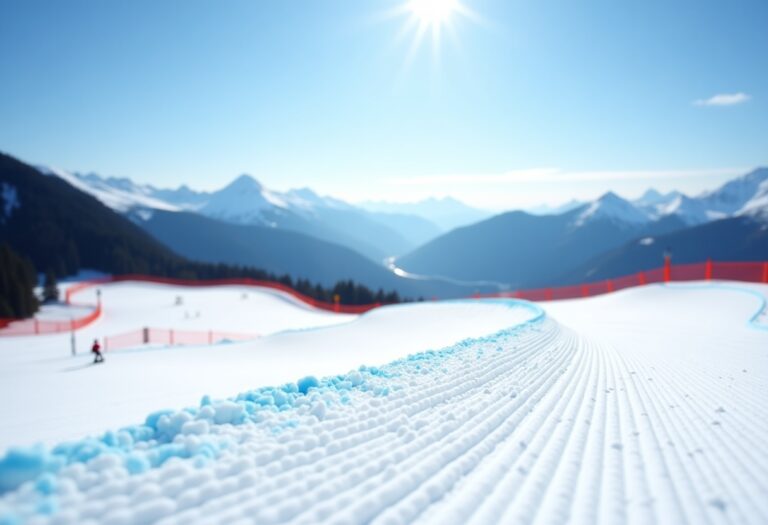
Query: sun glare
(433, 12)
(432, 20)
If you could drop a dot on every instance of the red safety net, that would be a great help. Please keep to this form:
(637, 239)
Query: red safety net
(756, 272)
(737, 271)
(171, 337)
(710, 270)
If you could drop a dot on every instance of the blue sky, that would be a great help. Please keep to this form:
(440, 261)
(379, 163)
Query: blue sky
(520, 103)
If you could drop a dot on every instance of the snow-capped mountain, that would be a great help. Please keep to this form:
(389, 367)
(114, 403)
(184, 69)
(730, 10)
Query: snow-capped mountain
(611, 206)
(673, 204)
(745, 195)
(652, 198)
(733, 196)
(757, 206)
(248, 202)
(120, 194)
(244, 201)
(690, 211)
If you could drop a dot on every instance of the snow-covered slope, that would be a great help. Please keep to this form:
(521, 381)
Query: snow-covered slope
(644, 406)
(180, 376)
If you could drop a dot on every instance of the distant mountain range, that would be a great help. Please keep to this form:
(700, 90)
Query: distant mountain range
(245, 201)
(202, 238)
(325, 239)
(58, 226)
(601, 238)
(447, 213)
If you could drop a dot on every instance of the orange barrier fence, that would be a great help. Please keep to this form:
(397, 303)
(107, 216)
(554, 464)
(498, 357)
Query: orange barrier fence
(709, 270)
(171, 337)
(755, 272)
(12, 327)
(42, 326)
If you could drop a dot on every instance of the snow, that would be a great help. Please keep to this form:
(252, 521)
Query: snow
(614, 207)
(292, 346)
(646, 405)
(757, 206)
(121, 198)
(10, 200)
(691, 211)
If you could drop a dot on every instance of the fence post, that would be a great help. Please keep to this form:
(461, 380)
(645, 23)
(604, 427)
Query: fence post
(584, 290)
(667, 268)
(609, 285)
(641, 278)
(37, 326)
(145, 336)
(765, 272)
(336, 302)
(548, 294)
(708, 270)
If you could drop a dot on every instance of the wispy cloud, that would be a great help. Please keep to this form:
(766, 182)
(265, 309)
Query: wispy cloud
(723, 99)
(550, 175)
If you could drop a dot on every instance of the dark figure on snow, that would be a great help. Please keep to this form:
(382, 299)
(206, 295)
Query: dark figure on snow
(96, 349)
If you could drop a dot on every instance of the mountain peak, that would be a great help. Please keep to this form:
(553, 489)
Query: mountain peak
(613, 207)
(651, 194)
(610, 197)
(305, 193)
(245, 182)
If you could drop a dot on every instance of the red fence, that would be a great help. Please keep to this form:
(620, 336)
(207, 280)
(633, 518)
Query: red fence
(709, 270)
(755, 272)
(9, 327)
(42, 326)
(163, 336)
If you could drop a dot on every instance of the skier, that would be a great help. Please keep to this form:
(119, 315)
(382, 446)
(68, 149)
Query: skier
(96, 349)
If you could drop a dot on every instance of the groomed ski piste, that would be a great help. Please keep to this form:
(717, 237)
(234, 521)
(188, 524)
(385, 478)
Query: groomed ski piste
(647, 405)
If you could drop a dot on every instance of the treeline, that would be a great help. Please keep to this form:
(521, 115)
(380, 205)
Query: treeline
(18, 280)
(349, 292)
(17, 284)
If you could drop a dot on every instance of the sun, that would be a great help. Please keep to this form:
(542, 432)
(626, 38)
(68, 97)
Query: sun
(433, 12)
(430, 20)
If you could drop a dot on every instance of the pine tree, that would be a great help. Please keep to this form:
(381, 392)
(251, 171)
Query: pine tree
(17, 284)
